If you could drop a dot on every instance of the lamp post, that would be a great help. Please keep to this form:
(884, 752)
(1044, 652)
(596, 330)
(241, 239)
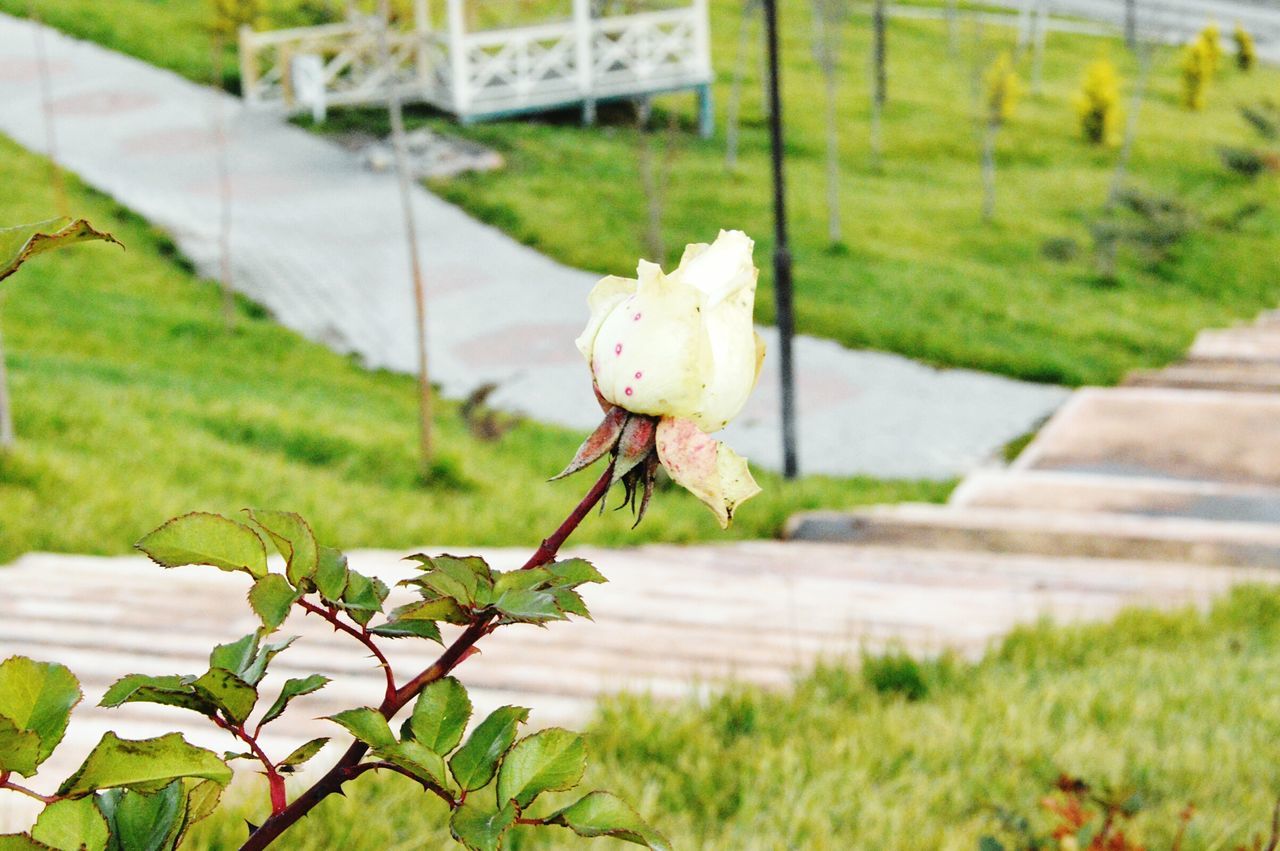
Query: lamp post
(781, 249)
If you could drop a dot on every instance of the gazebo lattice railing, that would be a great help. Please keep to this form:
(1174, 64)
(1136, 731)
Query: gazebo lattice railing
(489, 73)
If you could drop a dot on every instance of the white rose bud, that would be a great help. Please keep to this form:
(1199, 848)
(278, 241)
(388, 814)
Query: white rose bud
(682, 348)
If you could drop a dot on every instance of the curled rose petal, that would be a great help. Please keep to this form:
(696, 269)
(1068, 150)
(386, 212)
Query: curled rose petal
(705, 467)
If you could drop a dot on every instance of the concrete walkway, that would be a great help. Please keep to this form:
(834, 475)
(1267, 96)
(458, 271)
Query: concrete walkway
(318, 241)
(672, 621)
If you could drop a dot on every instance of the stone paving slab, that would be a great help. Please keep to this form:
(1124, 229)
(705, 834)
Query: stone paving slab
(318, 241)
(1155, 432)
(672, 621)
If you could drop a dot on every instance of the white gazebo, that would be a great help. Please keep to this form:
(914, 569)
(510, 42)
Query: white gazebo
(587, 55)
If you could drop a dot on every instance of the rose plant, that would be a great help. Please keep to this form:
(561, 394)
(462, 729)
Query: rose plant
(673, 358)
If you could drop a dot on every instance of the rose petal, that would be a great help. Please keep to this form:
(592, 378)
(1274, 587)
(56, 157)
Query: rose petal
(607, 294)
(721, 269)
(705, 467)
(651, 353)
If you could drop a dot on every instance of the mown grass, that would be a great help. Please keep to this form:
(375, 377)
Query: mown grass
(1177, 707)
(917, 271)
(133, 404)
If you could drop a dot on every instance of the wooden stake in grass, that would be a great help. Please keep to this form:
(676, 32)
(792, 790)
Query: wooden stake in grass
(394, 107)
(828, 19)
(879, 80)
(1002, 90)
(56, 179)
(733, 123)
(655, 169)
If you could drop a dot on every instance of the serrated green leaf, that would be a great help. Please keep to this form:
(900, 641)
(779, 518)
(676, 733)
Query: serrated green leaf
(409, 629)
(36, 698)
(19, 244)
(201, 538)
(548, 761)
(417, 760)
(21, 842)
(604, 814)
(520, 580)
(363, 596)
(72, 825)
(295, 541)
(146, 766)
(573, 572)
(479, 828)
(440, 715)
(529, 606)
(19, 749)
(302, 754)
(202, 800)
(294, 687)
(474, 764)
(457, 583)
(437, 609)
(271, 598)
(367, 725)
(258, 667)
(331, 574)
(570, 602)
(235, 656)
(144, 821)
(228, 692)
(170, 690)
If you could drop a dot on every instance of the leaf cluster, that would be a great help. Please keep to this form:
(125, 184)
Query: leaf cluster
(492, 780)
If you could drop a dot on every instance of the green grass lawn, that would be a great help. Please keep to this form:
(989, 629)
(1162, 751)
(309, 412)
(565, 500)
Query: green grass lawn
(918, 272)
(133, 404)
(1178, 708)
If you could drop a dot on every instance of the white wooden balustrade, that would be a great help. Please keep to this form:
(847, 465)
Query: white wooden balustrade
(493, 73)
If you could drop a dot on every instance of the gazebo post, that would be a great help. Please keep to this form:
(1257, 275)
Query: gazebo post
(458, 58)
(582, 56)
(702, 58)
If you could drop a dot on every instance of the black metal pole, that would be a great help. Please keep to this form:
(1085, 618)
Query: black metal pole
(781, 249)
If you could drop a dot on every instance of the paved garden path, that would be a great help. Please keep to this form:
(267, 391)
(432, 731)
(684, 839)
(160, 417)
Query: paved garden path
(318, 241)
(672, 621)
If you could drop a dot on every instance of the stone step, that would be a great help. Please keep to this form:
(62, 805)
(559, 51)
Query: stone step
(1095, 535)
(1155, 432)
(1255, 343)
(1041, 490)
(1247, 376)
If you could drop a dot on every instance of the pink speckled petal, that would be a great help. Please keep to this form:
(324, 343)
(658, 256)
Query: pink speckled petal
(705, 467)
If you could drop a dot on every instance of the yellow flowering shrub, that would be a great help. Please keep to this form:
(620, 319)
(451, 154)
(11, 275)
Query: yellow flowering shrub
(1246, 50)
(1003, 88)
(1195, 74)
(1098, 102)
